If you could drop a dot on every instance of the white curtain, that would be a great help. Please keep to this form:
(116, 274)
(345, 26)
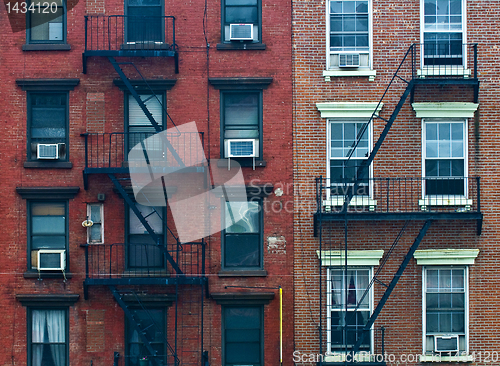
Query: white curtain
(57, 334)
(52, 323)
(37, 335)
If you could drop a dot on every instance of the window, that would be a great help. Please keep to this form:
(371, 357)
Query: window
(47, 124)
(144, 21)
(445, 304)
(343, 171)
(242, 245)
(241, 119)
(444, 156)
(48, 229)
(46, 25)
(153, 322)
(359, 307)
(443, 32)
(48, 337)
(138, 126)
(349, 41)
(242, 335)
(95, 233)
(240, 12)
(143, 251)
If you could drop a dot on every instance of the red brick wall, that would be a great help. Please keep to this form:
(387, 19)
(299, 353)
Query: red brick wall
(396, 25)
(96, 105)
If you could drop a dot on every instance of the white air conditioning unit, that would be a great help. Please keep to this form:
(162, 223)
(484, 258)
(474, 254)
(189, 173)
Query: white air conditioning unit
(48, 151)
(349, 60)
(241, 32)
(446, 343)
(51, 260)
(241, 148)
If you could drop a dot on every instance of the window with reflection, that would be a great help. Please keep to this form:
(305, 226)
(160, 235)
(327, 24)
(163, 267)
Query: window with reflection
(46, 22)
(352, 289)
(48, 229)
(445, 306)
(346, 157)
(241, 12)
(243, 327)
(242, 245)
(444, 155)
(443, 32)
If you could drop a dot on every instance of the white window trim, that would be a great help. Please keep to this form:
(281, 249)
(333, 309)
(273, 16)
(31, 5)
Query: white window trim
(446, 257)
(343, 112)
(448, 199)
(355, 258)
(449, 70)
(445, 110)
(362, 71)
(436, 358)
(328, 307)
(102, 222)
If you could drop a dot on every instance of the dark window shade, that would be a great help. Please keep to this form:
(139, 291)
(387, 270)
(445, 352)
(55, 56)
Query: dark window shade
(243, 335)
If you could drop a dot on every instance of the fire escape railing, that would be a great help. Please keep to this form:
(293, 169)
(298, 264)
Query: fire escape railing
(400, 195)
(110, 150)
(135, 260)
(129, 33)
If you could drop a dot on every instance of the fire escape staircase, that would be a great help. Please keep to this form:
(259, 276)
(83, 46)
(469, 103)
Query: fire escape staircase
(410, 81)
(142, 329)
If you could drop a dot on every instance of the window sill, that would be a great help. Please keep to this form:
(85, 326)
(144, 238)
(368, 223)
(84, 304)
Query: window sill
(445, 201)
(439, 358)
(240, 46)
(247, 162)
(243, 273)
(46, 274)
(444, 70)
(48, 164)
(328, 74)
(46, 47)
(357, 201)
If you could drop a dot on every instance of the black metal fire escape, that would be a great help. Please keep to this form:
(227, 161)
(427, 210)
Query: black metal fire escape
(181, 271)
(406, 72)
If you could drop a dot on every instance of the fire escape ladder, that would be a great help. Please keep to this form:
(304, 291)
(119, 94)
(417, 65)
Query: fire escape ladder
(391, 286)
(146, 225)
(143, 106)
(410, 84)
(142, 330)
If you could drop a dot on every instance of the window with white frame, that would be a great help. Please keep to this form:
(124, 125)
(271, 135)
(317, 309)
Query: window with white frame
(95, 233)
(342, 170)
(352, 288)
(445, 304)
(443, 32)
(444, 155)
(349, 40)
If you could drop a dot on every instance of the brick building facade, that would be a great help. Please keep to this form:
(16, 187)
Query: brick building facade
(147, 67)
(420, 204)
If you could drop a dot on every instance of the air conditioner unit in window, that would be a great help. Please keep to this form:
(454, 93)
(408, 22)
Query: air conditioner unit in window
(446, 343)
(349, 60)
(241, 148)
(49, 151)
(241, 32)
(51, 260)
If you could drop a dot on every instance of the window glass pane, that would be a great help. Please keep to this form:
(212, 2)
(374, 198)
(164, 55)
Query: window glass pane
(431, 131)
(152, 218)
(95, 233)
(136, 116)
(48, 242)
(242, 335)
(349, 6)
(336, 7)
(95, 213)
(241, 109)
(243, 14)
(46, 27)
(242, 250)
(247, 212)
(241, 2)
(48, 209)
(432, 279)
(458, 322)
(48, 225)
(458, 279)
